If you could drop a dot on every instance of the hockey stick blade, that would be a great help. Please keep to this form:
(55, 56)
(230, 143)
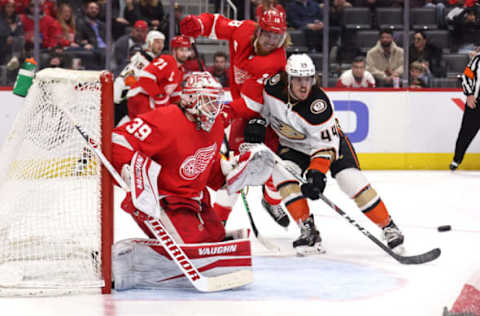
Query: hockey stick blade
(199, 281)
(417, 259)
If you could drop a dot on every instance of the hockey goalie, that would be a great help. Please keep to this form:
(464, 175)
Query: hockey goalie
(169, 156)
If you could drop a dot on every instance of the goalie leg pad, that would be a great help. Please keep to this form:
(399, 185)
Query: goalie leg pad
(144, 264)
(253, 167)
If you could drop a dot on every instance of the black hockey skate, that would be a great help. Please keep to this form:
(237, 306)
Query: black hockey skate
(277, 213)
(309, 241)
(394, 237)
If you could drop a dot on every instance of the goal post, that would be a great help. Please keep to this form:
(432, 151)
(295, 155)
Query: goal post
(56, 199)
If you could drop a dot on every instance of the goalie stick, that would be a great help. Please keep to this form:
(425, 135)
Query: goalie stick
(417, 259)
(199, 281)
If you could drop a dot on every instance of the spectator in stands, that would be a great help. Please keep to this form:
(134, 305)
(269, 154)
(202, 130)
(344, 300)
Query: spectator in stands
(385, 60)
(267, 5)
(419, 77)
(466, 28)
(58, 58)
(66, 19)
(219, 70)
(427, 53)
(91, 36)
(49, 27)
(148, 10)
(357, 77)
(119, 23)
(306, 15)
(124, 44)
(12, 31)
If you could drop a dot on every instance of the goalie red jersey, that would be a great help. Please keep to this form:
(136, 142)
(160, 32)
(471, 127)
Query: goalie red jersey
(186, 162)
(158, 85)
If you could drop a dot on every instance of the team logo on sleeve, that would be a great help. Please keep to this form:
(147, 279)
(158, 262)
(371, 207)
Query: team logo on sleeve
(195, 164)
(275, 79)
(318, 106)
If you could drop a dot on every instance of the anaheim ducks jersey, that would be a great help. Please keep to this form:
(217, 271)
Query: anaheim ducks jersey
(307, 126)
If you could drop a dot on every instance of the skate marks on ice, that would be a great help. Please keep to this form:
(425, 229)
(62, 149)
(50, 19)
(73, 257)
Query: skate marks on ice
(292, 278)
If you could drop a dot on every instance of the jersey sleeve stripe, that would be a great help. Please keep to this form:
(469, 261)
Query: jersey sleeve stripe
(252, 104)
(121, 140)
(213, 34)
(146, 74)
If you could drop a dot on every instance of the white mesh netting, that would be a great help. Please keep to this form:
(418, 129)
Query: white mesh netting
(50, 189)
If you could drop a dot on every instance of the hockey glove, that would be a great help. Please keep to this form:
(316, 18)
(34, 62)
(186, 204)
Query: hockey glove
(191, 26)
(316, 182)
(255, 130)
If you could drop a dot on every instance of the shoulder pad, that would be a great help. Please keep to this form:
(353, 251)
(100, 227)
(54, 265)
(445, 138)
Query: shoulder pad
(275, 87)
(317, 109)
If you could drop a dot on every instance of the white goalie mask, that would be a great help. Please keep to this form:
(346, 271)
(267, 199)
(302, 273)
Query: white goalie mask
(202, 98)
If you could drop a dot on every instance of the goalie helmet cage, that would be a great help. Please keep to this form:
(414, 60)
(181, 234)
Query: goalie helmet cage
(56, 210)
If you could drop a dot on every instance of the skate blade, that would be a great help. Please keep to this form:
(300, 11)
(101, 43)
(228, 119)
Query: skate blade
(303, 251)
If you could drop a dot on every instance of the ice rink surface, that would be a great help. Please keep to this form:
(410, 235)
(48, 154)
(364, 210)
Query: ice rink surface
(354, 277)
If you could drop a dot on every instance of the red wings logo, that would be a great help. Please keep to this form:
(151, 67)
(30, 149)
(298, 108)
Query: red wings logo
(240, 75)
(194, 165)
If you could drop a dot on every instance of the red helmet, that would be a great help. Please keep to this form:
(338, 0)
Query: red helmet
(273, 21)
(180, 41)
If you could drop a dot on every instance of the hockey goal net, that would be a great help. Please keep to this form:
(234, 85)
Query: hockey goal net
(56, 199)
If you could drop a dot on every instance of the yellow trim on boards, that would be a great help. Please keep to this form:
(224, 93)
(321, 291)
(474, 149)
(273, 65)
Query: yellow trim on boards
(415, 161)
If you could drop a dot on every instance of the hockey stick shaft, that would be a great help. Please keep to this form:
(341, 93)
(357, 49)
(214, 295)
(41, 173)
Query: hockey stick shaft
(197, 55)
(263, 241)
(418, 259)
(200, 282)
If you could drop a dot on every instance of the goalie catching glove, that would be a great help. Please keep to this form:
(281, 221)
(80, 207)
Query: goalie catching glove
(252, 167)
(315, 185)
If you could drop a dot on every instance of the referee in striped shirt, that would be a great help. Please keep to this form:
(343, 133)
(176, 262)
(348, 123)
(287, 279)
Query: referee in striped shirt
(471, 115)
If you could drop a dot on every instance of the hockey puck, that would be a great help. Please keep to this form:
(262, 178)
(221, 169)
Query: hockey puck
(444, 228)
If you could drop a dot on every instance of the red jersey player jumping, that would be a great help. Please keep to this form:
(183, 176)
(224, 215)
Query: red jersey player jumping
(159, 83)
(257, 51)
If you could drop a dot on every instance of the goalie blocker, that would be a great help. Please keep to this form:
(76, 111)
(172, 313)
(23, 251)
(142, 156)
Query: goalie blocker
(144, 264)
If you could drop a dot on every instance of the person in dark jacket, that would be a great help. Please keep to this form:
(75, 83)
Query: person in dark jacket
(306, 15)
(422, 50)
(90, 35)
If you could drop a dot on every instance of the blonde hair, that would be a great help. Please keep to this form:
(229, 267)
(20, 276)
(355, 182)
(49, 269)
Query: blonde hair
(266, 4)
(417, 65)
(67, 26)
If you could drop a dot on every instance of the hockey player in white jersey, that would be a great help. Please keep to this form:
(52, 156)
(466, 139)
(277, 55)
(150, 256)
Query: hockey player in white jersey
(155, 42)
(310, 138)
